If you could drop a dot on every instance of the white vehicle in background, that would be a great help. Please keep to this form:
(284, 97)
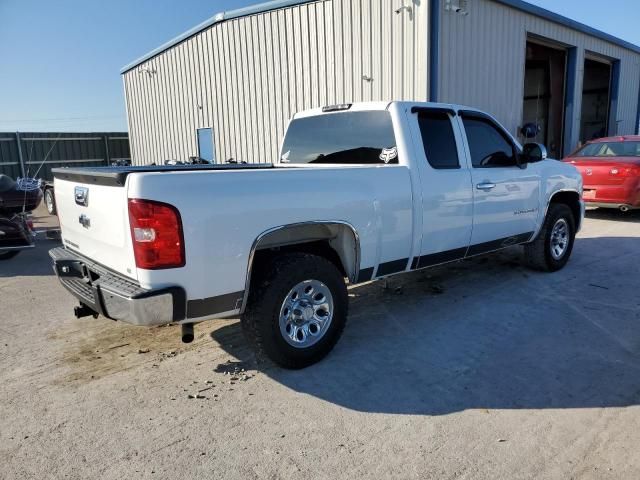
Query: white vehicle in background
(360, 192)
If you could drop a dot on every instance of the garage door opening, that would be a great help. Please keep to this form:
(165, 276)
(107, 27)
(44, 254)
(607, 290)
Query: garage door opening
(596, 99)
(545, 75)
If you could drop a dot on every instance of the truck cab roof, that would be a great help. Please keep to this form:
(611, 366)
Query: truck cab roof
(364, 106)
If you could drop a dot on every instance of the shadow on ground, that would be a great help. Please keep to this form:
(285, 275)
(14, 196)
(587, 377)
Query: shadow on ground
(30, 262)
(612, 214)
(485, 334)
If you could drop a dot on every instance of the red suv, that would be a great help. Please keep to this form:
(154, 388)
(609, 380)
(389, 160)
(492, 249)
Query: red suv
(610, 168)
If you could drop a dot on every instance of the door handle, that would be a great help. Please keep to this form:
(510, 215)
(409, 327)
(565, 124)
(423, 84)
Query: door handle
(486, 186)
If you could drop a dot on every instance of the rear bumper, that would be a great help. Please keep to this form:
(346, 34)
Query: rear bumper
(114, 296)
(626, 194)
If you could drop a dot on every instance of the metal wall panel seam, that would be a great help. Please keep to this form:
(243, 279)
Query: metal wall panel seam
(256, 91)
(303, 63)
(169, 124)
(242, 97)
(193, 102)
(178, 94)
(266, 68)
(222, 101)
(249, 110)
(235, 120)
(174, 125)
(144, 100)
(256, 52)
(136, 137)
(186, 99)
(127, 112)
(153, 80)
(219, 125)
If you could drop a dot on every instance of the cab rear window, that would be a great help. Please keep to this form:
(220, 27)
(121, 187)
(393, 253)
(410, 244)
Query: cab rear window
(341, 138)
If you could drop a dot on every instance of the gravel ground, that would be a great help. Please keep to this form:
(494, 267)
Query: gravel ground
(480, 370)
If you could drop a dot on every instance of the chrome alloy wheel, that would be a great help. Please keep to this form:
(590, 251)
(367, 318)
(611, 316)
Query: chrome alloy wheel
(306, 313)
(48, 200)
(559, 239)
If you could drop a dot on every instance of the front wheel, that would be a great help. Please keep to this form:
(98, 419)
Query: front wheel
(297, 309)
(551, 249)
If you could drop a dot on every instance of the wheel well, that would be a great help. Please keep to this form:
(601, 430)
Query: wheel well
(320, 248)
(335, 241)
(572, 200)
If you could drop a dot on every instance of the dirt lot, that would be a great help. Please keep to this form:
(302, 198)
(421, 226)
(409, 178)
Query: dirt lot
(479, 370)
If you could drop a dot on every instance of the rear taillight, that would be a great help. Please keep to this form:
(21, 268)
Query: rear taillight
(156, 232)
(632, 171)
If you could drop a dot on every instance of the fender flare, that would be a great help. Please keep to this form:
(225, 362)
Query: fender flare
(256, 243)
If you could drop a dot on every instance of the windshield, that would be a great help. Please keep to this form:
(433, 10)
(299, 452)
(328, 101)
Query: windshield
(610, 149)
(341, 138)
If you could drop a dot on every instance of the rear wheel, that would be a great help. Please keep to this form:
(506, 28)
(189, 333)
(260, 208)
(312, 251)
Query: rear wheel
(297, 309)
(9, 254)
(551, 249)
(50, 201)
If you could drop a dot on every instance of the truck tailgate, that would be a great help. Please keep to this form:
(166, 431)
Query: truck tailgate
(94, 220)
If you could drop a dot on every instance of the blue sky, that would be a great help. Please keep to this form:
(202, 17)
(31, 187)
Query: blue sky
(60, 60)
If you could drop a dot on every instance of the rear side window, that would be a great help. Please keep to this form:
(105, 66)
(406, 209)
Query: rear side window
(609, 149)
(341, 138)
(489, 146)
(438, 139)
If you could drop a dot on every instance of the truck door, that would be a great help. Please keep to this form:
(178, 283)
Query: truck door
(505, 197)
(447, 197)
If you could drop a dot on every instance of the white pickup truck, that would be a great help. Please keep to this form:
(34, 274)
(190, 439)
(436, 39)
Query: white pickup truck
(360, 192)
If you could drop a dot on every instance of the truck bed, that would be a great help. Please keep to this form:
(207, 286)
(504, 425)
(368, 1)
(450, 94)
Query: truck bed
(117, 176)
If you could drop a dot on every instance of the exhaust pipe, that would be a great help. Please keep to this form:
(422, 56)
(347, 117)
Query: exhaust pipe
(624, 208)
(187, 332)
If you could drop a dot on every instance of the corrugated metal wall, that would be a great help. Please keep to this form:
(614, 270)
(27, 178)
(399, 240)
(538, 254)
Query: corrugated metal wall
(43, 151)
(482, 58)
(245, 77)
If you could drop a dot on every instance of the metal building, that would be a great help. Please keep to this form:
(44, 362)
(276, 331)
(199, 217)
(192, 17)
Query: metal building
(226, 89)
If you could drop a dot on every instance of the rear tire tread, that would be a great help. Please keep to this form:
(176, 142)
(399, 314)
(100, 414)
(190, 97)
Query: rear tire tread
(259, 322)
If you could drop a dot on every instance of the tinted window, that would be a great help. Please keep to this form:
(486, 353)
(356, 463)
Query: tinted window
(489, 147)
(438, 139)
(347, 137)
(609, 149)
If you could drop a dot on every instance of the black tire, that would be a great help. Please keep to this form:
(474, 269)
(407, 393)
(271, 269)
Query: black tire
(538, 254)
(270, 287)
(50, 201)
(9, 254)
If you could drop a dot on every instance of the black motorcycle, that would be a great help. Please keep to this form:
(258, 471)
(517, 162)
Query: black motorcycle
(17, 200)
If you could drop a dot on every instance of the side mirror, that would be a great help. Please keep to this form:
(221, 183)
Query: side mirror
(533, 152)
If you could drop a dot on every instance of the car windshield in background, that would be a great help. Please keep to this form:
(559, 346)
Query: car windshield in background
(610, 149)
(341, 138)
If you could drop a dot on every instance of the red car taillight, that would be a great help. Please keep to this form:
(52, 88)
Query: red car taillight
(156, 232)
(633, 171)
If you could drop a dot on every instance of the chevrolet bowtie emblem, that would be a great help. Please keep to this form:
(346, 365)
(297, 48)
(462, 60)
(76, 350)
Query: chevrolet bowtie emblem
(84, 221)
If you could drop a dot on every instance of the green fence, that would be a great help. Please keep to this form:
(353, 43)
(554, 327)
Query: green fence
(35, 154)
